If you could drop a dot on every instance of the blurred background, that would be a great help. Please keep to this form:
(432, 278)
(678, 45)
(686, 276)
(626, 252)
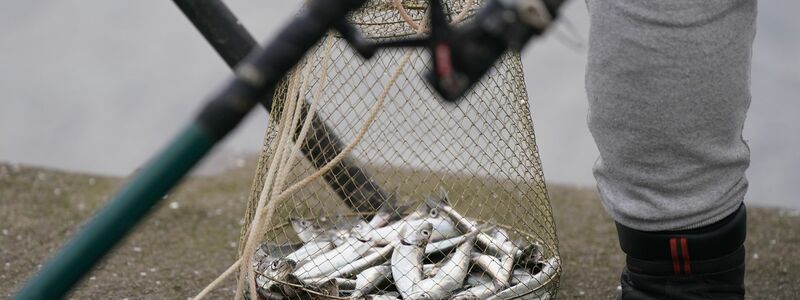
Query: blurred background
(98, 86)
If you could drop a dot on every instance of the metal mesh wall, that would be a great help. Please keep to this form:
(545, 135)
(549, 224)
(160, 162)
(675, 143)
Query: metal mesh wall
(480, 154)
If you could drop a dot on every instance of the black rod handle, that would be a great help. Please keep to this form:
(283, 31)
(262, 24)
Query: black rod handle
(232, 42)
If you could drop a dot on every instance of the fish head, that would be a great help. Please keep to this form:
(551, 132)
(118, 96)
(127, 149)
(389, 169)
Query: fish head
(431, 207)
(280, 269)
(329, 288)
(531, 254)
(299, 224)
(362, 230)
(417, 234)
(428, 209)
(302, 225)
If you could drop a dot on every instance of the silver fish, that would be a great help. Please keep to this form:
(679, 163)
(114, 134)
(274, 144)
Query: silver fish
(263, 284)
(492, 266)
(371, 278)
(407, 258)
(276, 272)
(340, 228)
(452, 273)
(304, 229)
(507, 261)
(424, 209)
(463, 224)
(392, 231)
(520, 275)
(338, 236)
(477, 277)
(532, 286)
(506, 267)
(444, 245)
(508, 256)
(477, 292)
(442, 229)
(345, 283)
(326, 263)
(310, 249)
(341, 283)
(260, 254)
(375, 258)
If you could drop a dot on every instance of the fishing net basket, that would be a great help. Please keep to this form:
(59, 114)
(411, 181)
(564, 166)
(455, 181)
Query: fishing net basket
(480, 152)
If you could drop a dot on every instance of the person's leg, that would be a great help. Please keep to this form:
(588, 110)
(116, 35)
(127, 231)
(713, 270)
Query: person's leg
(668, 85)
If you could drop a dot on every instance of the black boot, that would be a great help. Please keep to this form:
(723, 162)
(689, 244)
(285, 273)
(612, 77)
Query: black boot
(702, 263)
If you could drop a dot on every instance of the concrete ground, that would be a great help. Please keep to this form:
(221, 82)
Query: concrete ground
(193, 236)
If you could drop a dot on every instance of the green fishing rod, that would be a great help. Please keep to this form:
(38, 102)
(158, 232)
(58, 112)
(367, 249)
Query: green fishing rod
(255, 80)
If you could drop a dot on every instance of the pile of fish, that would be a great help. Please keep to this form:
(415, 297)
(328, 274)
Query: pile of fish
(432, 252)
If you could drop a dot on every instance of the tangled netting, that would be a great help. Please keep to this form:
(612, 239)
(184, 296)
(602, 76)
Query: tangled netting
(368, 185)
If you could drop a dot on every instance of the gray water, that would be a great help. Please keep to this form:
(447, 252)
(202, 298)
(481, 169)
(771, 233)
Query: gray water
(99, 85)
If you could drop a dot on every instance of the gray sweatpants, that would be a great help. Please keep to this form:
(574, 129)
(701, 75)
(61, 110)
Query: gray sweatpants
(668, 83)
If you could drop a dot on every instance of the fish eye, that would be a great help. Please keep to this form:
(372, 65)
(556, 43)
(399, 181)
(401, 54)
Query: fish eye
(274, 265)
(434, 212)
(425, 232)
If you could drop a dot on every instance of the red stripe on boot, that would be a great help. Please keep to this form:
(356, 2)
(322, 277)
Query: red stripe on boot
(685, 251)
(676, 264)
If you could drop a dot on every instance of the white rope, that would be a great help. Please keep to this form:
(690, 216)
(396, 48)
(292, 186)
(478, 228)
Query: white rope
(293, 106)
(211, 286)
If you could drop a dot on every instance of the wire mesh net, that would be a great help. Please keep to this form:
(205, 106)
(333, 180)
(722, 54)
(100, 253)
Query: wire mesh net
(436, 201)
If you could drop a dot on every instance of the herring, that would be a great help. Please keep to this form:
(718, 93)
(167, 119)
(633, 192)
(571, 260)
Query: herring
(372, 259)
(304, 229)
(532, 286)
(485, 241)
(407, 257)
(371, 278)
(277, 272)
(310, 249)
(444, 245)
(442, 229)
(492, 266)
(325, 263)
(477, 277)
(451, 274)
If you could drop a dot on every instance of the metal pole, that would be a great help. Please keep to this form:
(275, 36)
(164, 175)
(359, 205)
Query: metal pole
(256, 77)
(232, 42)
